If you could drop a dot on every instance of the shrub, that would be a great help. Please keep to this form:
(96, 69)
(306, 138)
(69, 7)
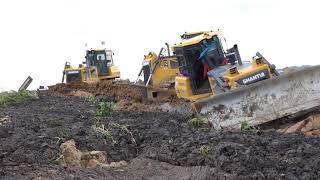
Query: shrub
(105, 109)
(204, 150)
(199, 121)
(246, 127)
(12, 97)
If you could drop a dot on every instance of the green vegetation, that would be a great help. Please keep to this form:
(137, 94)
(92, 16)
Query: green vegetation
(246, 127)
(104, 109)
(12, 97)
(92, 100)
(204, 150)
(198, 122)
(106, 132)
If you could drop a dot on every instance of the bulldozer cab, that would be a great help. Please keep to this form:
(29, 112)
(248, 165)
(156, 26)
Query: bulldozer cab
(196, 56)
(99, 59)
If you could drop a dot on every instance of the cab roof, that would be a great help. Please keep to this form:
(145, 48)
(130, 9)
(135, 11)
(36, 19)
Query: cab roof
(93, 49)
(197, 39)
(197, 32)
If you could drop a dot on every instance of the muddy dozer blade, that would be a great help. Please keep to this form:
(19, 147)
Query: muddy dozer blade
(154, 94)
(143, 90)
(264, 101)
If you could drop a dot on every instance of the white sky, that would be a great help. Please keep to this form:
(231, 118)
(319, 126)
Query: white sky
(38, 36)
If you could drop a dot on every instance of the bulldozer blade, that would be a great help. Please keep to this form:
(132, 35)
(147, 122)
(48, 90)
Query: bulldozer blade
(143, 90)
(263, 101)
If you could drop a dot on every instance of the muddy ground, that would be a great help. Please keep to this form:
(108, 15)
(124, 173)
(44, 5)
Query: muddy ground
(157, 145)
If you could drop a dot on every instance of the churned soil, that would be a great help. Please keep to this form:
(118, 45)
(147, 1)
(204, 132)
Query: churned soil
(110, 89)
(156, 145)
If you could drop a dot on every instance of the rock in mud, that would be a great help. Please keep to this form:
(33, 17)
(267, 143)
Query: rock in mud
(93, 159)
(71, 156)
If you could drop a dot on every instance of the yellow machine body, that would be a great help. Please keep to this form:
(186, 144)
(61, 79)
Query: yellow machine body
(232, 75)
(184, 90)
(224, 75)
(74, 74)
(165, 70)
(89, 71)
(197, 38)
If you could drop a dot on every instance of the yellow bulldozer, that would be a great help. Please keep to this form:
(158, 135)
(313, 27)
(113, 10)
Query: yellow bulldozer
(159, 72)
(228, 91)
(98, 66)
(207, 69)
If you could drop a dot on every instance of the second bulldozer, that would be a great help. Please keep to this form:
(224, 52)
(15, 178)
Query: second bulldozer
(159, 72)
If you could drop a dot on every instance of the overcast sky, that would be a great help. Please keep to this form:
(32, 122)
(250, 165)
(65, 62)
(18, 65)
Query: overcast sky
(38, 36)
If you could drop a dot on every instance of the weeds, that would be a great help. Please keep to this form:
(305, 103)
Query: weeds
(246, 127)
(124, 128)
(204, 150)
(106, 133)
(198, 122)
(92, 100)
(12, 97)
(103, 109)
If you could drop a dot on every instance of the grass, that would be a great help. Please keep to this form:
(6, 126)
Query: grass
(198, 122)
(246, 127)
(124, 128)
(106, 132)
(103, 109)
(13, 97)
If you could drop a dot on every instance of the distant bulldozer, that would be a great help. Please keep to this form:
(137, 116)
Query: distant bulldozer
(98, 66)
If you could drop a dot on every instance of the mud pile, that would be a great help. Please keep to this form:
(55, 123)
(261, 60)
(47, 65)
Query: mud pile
(157, 145)
(112, 90)
(128, 98)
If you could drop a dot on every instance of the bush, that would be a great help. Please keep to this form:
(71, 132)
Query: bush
(246, 127)
(105, 109)
(200, 122)
(204, 150)
(12, 97)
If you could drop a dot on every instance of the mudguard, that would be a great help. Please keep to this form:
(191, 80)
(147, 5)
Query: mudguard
(263, 101)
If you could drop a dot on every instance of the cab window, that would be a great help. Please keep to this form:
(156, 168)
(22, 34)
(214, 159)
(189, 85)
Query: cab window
(109, 58)
(101, 57)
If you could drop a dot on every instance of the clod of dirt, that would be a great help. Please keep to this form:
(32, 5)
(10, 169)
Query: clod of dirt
(93, 159)
(71, 156)
(308, 126)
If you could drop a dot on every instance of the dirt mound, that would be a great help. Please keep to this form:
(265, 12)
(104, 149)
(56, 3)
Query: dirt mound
(157, 145)
(115, 91)
(124, 105)
(127, 97)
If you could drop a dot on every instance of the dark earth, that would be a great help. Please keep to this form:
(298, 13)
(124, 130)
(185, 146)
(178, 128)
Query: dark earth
(157, 145)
